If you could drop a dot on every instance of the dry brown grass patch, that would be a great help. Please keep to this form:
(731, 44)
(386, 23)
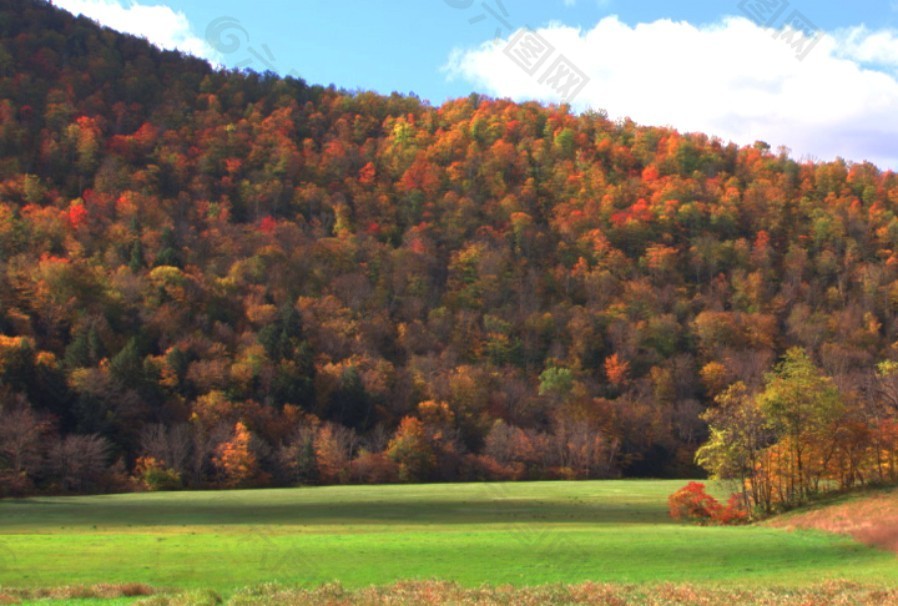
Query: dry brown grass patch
(871, 520)
(103, 591)
(437, 593)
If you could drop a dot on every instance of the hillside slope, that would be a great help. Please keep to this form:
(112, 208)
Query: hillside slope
(871, 519)
(232, 279)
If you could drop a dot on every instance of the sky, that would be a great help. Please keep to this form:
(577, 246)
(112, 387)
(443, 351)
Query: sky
(818, 78)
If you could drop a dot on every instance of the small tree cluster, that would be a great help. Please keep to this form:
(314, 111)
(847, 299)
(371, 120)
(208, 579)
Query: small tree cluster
(153, 475)
(692, 504)
(34, 456)
(798, 436)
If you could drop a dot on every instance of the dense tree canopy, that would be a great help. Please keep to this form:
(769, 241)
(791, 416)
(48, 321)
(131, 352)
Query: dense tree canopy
(227, 278)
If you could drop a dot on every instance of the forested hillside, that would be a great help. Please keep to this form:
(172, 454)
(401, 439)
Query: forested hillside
(213, 278)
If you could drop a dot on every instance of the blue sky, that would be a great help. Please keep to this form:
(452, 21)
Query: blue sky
(728, 68)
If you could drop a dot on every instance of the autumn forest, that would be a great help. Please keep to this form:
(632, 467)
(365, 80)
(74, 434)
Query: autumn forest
(228, 279)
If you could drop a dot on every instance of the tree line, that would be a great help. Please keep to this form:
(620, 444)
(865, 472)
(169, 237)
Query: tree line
(223, 278)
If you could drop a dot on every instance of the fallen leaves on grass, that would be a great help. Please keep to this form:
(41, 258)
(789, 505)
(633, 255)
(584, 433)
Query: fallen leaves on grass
(438, 593)
(104, 591)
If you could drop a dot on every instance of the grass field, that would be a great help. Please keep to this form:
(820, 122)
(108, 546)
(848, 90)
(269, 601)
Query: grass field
(522, 534)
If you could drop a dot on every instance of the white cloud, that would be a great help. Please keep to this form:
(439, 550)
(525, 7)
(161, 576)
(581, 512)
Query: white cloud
(159, 24)
(732, 79)
(878, 48)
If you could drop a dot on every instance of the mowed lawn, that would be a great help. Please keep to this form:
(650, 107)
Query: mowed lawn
(514, 533)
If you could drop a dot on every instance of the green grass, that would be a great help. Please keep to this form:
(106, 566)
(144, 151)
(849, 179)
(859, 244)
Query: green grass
(520, 534)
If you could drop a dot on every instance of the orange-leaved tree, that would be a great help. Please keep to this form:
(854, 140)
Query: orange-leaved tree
(235, 459)
(412, 451)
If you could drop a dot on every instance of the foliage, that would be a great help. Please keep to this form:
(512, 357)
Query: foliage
(154, 476)
(411, 451)
(185, 249)
(795, 438)
(692, 504)
(235, 460)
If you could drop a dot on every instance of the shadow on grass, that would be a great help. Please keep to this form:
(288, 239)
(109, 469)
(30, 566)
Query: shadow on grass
(222, 511)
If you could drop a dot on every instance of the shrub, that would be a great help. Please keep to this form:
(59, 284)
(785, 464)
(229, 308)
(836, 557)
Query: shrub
(733, 513)
(153, 475)
(692, 504)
